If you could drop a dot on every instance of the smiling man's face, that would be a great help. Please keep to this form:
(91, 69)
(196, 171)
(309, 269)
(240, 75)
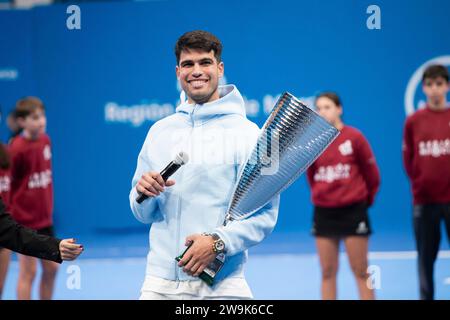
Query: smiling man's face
(199, 73)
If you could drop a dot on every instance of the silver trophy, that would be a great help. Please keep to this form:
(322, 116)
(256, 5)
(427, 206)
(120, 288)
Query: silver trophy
(292, 138)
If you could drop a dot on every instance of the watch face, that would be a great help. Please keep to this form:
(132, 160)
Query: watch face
(220, 246)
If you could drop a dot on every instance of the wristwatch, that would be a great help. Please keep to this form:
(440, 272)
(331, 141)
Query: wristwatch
(218, 245)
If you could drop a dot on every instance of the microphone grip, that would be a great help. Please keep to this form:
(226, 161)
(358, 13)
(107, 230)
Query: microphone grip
(169, 170)
(165, 174)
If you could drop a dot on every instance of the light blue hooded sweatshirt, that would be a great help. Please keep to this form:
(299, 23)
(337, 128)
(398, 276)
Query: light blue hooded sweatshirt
(218, 138)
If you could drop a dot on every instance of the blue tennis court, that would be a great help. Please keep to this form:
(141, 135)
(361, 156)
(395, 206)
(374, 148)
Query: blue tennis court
(285, 266)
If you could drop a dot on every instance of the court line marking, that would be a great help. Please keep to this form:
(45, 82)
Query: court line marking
(375, 255)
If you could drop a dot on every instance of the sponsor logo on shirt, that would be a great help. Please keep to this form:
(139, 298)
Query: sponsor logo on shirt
(47, 153)
(362, 228)
(5, 184)
(346, 148)
(332, 173)
(40, 179)
(434, 148)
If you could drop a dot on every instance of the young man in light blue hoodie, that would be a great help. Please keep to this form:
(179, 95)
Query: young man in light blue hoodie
(212, 128)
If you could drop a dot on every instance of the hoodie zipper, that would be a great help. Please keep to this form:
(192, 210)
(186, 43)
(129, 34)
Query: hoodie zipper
(177, 268)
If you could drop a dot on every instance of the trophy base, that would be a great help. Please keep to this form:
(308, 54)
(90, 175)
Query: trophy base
(209, 273)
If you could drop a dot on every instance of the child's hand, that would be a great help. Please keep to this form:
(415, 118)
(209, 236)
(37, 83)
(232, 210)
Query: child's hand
(69, 249)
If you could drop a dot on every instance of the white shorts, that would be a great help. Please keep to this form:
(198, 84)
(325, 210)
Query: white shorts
(155, 288)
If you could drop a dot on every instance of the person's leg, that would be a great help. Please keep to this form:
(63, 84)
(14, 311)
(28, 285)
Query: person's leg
(4, 263)
(357, 249)
(328, 249)
(428, 236)
(27, 272)
(49, 270)
(446, 215)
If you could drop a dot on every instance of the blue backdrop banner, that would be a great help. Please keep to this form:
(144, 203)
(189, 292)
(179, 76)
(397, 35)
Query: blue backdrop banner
(105, 83)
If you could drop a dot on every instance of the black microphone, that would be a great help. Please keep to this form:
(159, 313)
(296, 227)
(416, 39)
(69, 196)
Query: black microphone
(181, 159)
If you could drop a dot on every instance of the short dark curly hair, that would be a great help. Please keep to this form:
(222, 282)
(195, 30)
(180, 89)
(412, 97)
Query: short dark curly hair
(435, 71)
(333, 96)
(201, 40)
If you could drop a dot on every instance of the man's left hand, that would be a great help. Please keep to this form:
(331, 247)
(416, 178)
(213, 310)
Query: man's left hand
(199, 255)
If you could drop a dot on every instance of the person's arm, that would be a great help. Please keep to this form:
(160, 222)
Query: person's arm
(408, 148)
(145, 211)
(18, 166)
(148, 182)
(240, 235)
(310, 174)
(237, 236)
(20, 239)
(368, 168)
(26, 241)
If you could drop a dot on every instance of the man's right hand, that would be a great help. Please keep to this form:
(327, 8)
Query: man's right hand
(152, 184)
